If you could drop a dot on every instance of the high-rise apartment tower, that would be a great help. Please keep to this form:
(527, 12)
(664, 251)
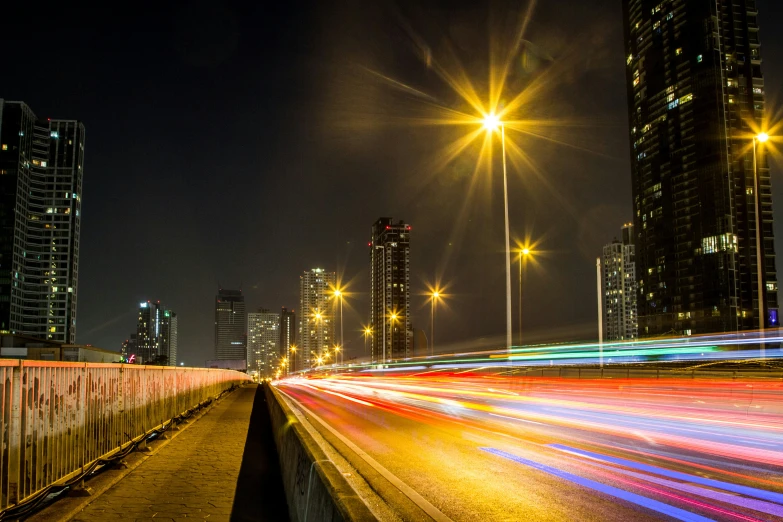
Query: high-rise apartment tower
(619, 288)
(41, 168)
(156, 334)
(316, 315)
(263, 341)
(390, 275)
(230, 325)
(695, 102)
(288, 335)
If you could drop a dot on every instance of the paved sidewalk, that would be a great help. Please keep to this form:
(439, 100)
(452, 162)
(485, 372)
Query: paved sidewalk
(192, 477)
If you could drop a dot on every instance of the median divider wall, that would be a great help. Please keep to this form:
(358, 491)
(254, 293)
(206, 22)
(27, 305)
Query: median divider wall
(314, 487)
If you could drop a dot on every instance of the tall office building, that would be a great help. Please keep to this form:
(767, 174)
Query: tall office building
(169, 336)
(390, 273)
(619, 288)
(288, 336)
(148, 331)
(695, 101)
(156, 333)
(230, 325)
(41, 168)
(316, 315)
(263, 341)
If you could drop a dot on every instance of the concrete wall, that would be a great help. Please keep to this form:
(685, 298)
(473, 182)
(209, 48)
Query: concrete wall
(315, 490)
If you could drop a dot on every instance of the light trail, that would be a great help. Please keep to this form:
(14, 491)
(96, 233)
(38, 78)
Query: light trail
(689, 448)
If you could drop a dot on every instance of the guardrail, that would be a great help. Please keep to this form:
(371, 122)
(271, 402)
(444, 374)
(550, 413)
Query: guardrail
(314, 487)
(57, 417)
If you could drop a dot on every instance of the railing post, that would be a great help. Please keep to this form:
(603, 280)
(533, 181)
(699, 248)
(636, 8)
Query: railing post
(15, 435)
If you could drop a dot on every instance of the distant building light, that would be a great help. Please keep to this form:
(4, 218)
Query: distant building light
(55, 134)
(143, 305)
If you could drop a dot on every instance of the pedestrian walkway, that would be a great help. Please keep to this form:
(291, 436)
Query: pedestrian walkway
(222, 467)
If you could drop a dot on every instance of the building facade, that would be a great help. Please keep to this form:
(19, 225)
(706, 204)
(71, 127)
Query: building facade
(155, 340)
(316, 315)
(41, 169)
(169, 336)
(288, 336)
(619, 288)
(390, 275)
(263, 341)
(695, 101)
(230, 325)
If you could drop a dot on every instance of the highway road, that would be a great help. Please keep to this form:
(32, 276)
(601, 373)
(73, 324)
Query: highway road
(468, 447)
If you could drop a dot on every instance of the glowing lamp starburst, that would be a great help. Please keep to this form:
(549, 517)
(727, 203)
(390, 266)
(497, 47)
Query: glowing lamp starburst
(491, 122)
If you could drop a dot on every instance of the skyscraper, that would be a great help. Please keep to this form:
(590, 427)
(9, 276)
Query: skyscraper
(156, 334)
(695, 101)
(619, 288)
(41, 168)
(390, 276)
(316, 314)
(230, 325)
(288, 335)
(148, 331)
(263, 341)
(169, 336)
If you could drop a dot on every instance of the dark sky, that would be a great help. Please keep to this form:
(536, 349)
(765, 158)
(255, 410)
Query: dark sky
(241, 144)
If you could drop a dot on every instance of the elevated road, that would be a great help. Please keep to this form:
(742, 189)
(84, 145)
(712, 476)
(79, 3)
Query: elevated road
(472, 447)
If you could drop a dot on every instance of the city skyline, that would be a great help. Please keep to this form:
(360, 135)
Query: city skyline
(451, 243)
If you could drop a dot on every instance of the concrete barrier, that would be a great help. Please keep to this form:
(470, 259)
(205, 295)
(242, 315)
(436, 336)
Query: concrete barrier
(315, 489)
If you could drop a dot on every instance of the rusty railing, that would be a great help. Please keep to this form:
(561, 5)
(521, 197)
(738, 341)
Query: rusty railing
(58, 418)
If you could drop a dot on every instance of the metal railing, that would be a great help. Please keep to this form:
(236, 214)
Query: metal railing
(57, 417)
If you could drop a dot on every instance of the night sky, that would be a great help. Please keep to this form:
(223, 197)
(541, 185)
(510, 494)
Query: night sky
(238, 145)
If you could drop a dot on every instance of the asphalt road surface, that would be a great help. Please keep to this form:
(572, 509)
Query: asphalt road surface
(478, 448)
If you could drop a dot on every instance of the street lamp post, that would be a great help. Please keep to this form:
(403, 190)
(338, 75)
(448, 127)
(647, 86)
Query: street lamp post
(435, 296)
(392, 320)
(491, 123)
(522, 255)
(367, 332)
(339, 295)
(760, 138)
(292, 349)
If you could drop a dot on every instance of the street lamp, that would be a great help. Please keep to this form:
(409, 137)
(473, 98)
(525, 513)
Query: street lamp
(434, 298)
(292, 348)
(318, 317)
(339, 294)
(392, 320)
(762, 137)
(522, 256)
(367, 333)
(491, 123)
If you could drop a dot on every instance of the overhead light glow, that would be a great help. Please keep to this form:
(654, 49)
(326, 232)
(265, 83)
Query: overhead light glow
(491, 122)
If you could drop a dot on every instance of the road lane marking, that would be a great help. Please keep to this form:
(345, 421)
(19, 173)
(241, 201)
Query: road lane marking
(406, 490)
(639, 500)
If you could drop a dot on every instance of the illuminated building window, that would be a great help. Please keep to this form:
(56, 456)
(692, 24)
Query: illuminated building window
(721, 243)
(5, 146)
(678, 52)
(699, 58)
